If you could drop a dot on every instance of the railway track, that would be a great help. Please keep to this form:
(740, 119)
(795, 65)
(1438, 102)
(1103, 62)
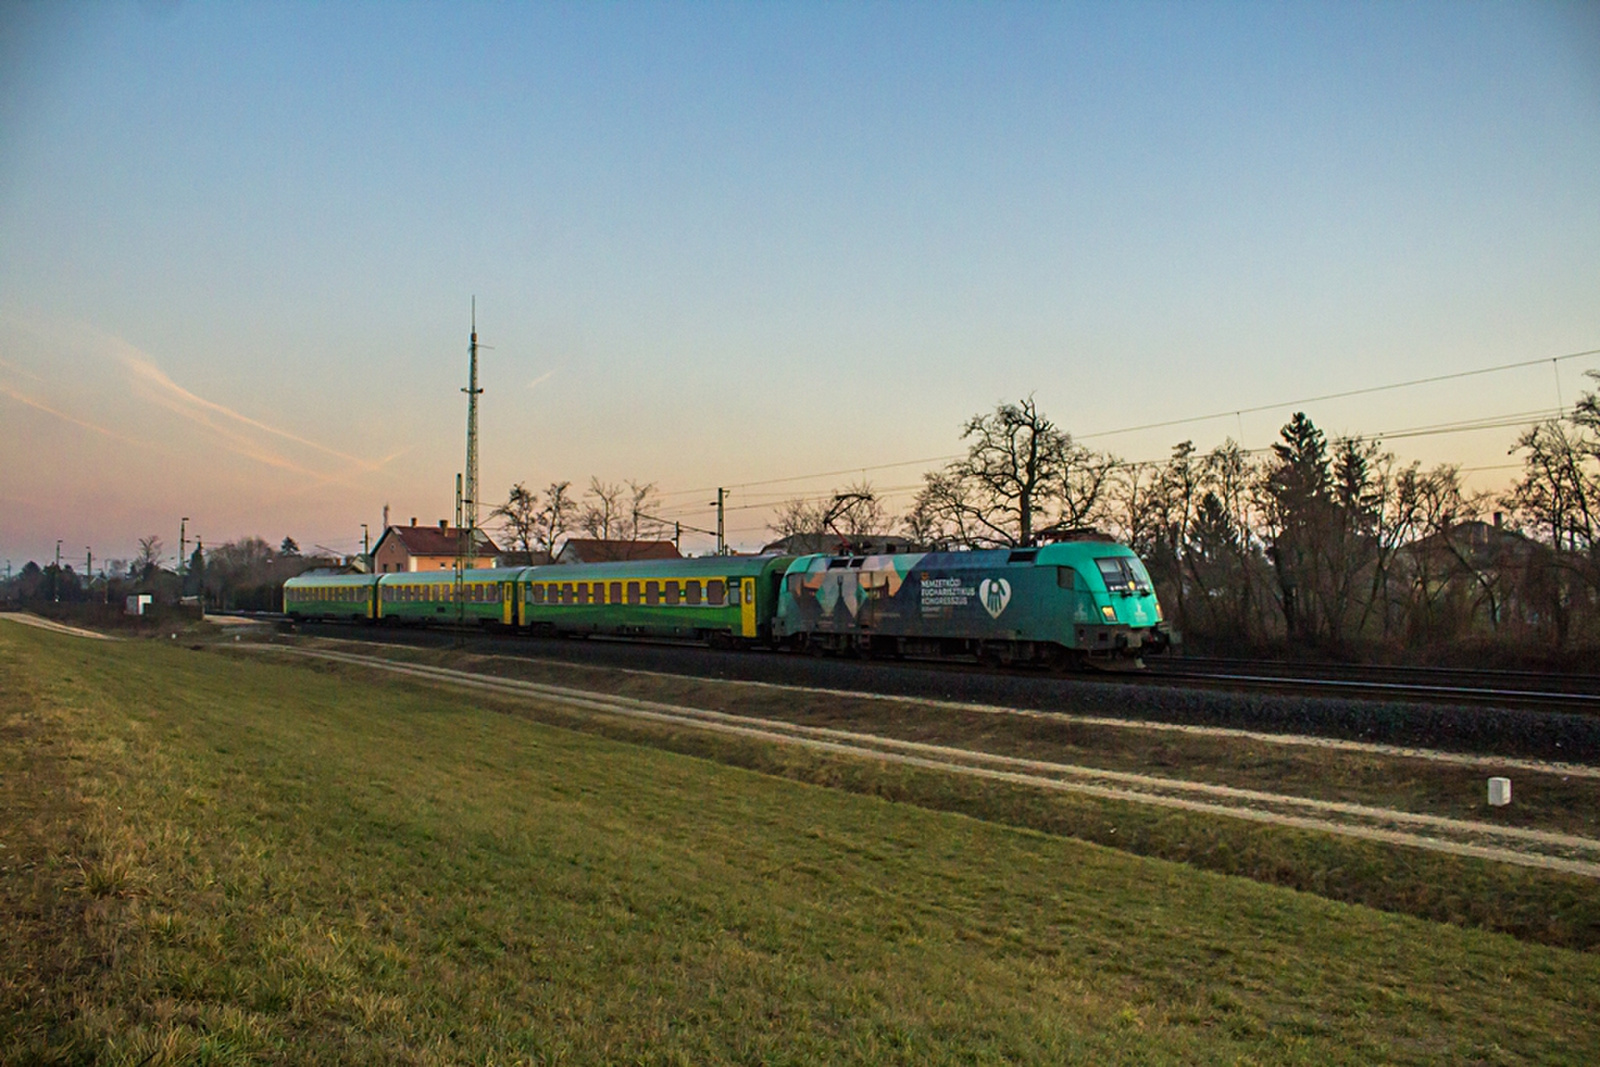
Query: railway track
(1453, 677)
(1469, 688)
(1515, 690)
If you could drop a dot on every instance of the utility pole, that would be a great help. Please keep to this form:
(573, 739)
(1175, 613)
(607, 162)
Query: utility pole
(677, 537)
(183, 547)
(459, 586)
(366, 546)
(88, 572)
(200, 586)
(55, 586)
(722, 542)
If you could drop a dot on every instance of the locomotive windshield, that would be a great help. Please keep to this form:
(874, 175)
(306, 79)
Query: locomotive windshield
(1124, 574)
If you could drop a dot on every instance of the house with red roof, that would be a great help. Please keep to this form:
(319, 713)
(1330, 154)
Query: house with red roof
(430, 548)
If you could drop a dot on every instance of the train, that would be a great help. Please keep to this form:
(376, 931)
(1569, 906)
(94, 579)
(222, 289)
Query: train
(1062, 605)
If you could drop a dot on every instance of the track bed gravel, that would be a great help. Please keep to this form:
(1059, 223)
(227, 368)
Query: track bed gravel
(1511, 732)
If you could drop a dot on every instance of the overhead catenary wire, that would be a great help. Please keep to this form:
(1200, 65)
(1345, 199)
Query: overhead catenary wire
(1234, 412)
(1345, 394)
(1492, 422)
(763, 501)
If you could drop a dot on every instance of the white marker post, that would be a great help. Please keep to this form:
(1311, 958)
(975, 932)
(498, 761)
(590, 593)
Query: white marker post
(1499, 792)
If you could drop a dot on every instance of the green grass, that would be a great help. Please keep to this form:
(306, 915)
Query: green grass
(1532, 904)
(214, 860)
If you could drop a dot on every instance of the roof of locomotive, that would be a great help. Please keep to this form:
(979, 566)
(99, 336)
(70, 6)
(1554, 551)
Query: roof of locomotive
(1061, 554)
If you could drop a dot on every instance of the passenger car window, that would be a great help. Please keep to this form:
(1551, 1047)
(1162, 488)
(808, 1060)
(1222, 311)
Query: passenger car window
(691, 592)
(671, 592)
(616, 593)
(652, 592)
(716, 591)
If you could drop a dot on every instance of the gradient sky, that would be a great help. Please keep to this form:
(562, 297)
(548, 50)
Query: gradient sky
(732, 244)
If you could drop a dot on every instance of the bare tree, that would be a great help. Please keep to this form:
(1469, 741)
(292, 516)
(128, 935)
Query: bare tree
(519, 517)
(149, 557)
(245, 564)
(640, 522)
(1021, 477)
(943, 512)
(554, 516)
(602, 510)
(799, 515)
(1557, 494)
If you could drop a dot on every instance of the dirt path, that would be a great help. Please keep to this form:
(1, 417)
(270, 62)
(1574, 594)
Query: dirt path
(1463, 759)
(57, 627)
(1526, 847)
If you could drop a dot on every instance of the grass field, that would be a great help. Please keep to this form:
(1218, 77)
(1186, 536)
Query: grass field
(210, 859)
(1549, 907)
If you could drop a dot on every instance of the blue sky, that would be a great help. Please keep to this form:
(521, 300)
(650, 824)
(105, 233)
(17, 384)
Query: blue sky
(726, 244)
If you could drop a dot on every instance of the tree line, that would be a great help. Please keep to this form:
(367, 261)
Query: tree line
(1333, 544)
(245, 574)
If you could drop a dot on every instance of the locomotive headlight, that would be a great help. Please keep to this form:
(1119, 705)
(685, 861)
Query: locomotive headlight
(1108, 613)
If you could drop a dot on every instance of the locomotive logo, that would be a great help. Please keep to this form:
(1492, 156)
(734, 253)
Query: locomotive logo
(994, 594)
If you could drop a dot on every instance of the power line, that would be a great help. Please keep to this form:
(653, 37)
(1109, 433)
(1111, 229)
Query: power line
(1365, 391)
(1347, 393)
(822, 474)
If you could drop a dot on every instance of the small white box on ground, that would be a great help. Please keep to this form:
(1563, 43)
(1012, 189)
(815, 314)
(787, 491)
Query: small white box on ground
(137, 604)
(1499, 791)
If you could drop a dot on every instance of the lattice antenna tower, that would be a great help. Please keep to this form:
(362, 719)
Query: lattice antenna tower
(467, 490)
(469, 497)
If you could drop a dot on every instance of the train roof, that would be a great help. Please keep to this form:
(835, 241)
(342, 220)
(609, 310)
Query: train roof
(447, 576)
(697, 567)
(1060, 554)
(317, 579)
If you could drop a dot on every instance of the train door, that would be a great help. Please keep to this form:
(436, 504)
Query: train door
(508, 592)
(747, 607)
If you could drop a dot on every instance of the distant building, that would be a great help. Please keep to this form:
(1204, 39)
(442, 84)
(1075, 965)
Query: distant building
(428, 548)
(590, 550)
